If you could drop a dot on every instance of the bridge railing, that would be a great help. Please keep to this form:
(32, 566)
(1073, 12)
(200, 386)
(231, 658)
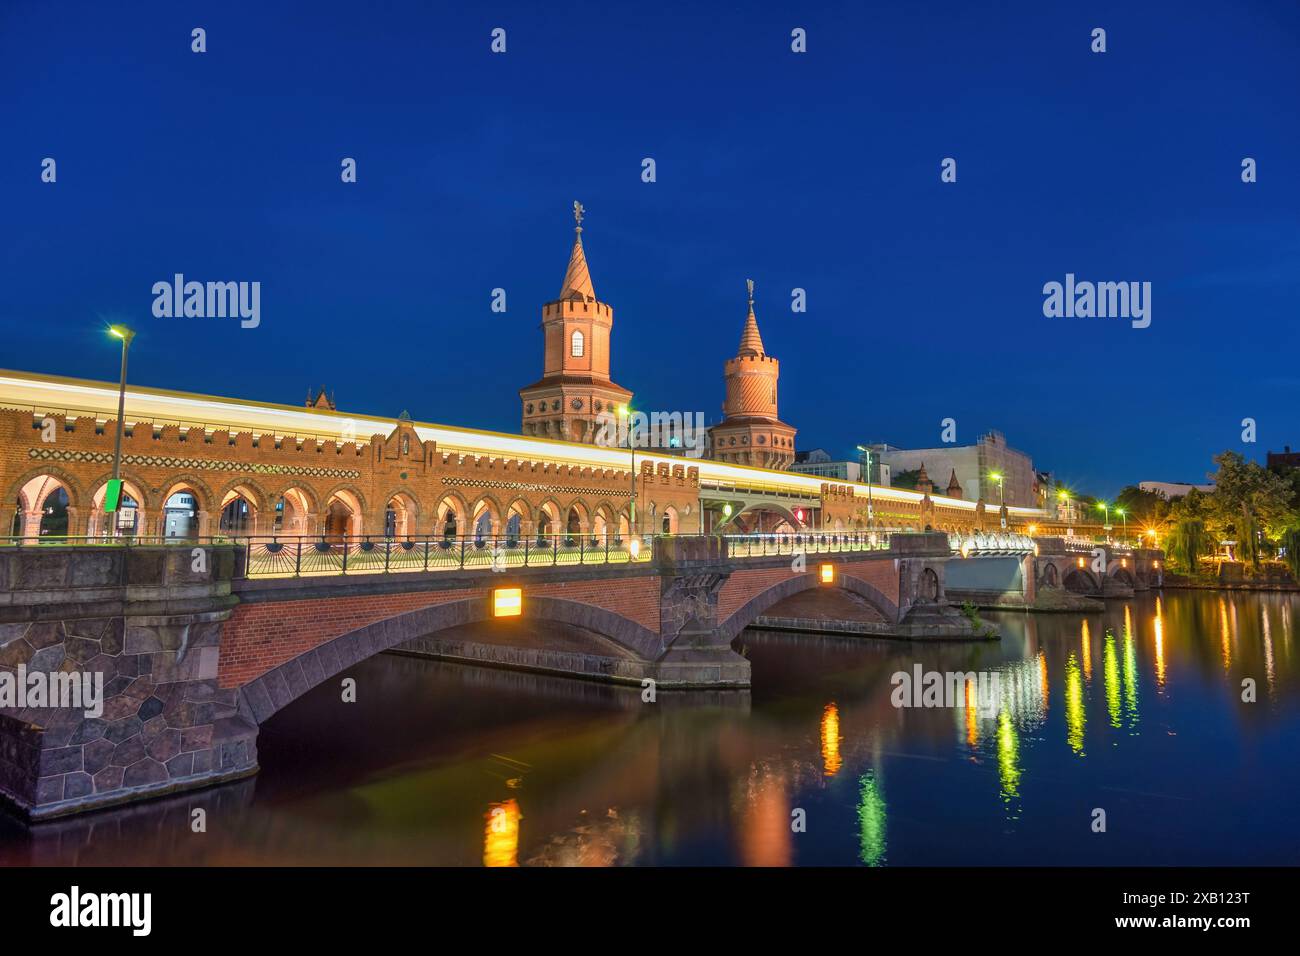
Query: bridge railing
(814, 542)
(991, 543)
(296, 556)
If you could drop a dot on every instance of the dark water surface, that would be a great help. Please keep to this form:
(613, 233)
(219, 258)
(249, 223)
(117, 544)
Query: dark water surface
(1137, 712)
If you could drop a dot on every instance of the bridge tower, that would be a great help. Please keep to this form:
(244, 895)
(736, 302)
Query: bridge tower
(751, 433)
(575, 389)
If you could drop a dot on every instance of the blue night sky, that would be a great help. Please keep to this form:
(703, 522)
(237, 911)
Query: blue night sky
(818, 171)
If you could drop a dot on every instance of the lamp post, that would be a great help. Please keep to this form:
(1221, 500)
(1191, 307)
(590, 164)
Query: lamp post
(1002, 501)
(871, 511)
(114, 493)
(1105, 509)
(1124, 520)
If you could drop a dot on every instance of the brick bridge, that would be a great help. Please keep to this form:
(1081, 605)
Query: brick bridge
(195, 655)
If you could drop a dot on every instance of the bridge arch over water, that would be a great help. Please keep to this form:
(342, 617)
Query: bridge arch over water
(607, 635)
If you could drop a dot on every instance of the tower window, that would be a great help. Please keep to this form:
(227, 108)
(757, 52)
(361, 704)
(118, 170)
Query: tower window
(576, 350)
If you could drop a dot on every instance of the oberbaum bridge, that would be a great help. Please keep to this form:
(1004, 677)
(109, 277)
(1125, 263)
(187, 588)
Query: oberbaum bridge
(258, 550)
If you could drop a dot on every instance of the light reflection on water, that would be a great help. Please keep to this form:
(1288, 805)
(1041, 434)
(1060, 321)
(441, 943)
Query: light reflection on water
(1138, 710)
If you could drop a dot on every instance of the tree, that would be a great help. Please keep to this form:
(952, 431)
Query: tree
(1144, 507)
(1248, 499)
(1291, 545)
(905, 479)
(1188, 542)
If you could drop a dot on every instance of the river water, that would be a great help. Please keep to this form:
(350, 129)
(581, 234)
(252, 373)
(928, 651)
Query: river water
(1137, 712)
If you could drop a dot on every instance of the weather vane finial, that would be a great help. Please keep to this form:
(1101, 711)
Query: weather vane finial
(750, 284)
(577, 214)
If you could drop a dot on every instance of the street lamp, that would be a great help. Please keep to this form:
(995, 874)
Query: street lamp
(1002, 502)
(871, 511)
(1124, 520)
(1105, 509)
(113, 494)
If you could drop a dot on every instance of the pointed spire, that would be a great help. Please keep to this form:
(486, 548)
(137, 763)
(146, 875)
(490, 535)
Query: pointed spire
(751, 343)
(954, 486)
(577, 280)
(923, 482)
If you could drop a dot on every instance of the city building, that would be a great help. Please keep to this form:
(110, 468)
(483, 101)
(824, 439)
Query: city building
(973, 467)
(818, 462)
(1170, 490)
(1283, 460)
(751, 433)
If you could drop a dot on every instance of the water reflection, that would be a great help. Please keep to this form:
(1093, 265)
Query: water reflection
(871, 820)
(501, 839)
(831, 739)
(439, 763)
(1076, 719)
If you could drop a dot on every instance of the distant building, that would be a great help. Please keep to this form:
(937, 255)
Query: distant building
(1284, 459)
(1170, 490)
(817, 462)
(972, 466)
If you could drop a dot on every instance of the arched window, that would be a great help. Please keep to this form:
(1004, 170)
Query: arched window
(578, 343)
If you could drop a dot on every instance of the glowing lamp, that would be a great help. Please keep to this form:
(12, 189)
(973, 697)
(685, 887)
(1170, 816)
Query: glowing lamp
(634, 548)
(828, 574)
(726, 511)
(1033, 530)
(1123, 562)
(1155, 564)
(798, 514)
(1081, 562)
(507, 602)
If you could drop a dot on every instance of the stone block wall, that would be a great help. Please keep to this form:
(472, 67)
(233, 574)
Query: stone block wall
(146, 622)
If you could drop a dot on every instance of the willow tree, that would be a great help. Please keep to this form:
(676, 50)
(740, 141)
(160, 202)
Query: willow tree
(1188, 542)
(1291, 542)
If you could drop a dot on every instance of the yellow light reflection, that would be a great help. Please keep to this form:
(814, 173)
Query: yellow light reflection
(1130, 670)
(1008, 759)
(1225, 635)
(871, 820)
(1042, 676)
(501, 836)
(1086, 641)
(831, 740)
(972, 714)
(1075, 717)
(1160, 645)
(1110, 674)
(1268, 649)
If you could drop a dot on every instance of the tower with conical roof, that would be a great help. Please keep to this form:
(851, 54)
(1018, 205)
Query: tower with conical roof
(575, 389)
(954, 486)
(751, 433)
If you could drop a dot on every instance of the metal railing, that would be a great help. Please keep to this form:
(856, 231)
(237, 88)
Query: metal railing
(310, 555)
(294, 556)
(813, 542)
(980, 543)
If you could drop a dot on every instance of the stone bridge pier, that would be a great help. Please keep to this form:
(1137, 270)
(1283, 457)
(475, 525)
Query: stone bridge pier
(143, 624)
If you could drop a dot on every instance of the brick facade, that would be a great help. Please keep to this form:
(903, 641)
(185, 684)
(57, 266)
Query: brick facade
(325, 486)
